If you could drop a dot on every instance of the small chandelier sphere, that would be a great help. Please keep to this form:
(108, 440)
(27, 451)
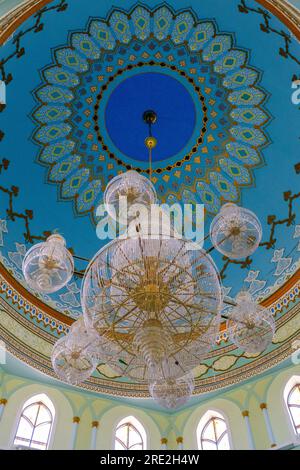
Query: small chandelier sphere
(235, 232)
(99, 347)
(250, 326)
(48, 266)
(136, 189)
(172, 393)
(72, 361)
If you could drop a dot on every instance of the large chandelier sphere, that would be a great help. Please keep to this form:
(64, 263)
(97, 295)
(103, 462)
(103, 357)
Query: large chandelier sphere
(235, 232)
(138, 284)
(136, 188)
(48, 266)
(172, 392)
(250, 326)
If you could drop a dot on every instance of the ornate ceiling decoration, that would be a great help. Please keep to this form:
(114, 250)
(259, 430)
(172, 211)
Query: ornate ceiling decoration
(73, 133)
(63, 85)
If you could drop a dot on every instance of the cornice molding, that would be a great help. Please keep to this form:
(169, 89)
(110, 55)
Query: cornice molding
(285, 12)
(67, 321)
(37, 355)
(15, 17)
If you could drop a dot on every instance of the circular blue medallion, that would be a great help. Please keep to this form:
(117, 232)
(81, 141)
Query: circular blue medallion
(173, 104)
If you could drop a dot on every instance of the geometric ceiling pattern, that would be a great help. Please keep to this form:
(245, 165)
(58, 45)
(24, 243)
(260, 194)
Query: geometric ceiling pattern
(219, 158)
(79, 77)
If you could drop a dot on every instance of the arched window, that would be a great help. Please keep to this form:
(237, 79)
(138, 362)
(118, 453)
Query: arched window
(293, 404)
(130, 435)
(212, 432)
(35, 423)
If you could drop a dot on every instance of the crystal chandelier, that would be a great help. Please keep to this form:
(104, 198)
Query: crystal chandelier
(250, 326)
(48, 266)
(235, 232)
(134, 188)
(172, 392)
(72, 356)
(151, 305)
(156, 300)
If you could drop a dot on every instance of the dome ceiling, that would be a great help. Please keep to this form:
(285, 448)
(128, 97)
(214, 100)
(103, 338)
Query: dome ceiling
(79, 78)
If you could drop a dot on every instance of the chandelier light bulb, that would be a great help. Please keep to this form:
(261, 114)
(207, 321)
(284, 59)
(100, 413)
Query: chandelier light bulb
(235, 232)
(250, 326)
(48, 266)
(136, 188)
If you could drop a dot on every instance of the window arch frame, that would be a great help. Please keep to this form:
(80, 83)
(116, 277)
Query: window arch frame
(207, 418)
(292, 388)
(42, 400)
(132, 423)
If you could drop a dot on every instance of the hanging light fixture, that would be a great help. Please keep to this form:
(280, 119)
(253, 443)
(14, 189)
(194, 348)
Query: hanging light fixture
(154, 298)
(136, 188)
(48, 266)
(250, 326)
(172, 392)
(235, 232)
(72, 357)
(151, 305)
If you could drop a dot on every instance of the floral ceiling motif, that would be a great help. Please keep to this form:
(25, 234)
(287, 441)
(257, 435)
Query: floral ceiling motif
(219, 158)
